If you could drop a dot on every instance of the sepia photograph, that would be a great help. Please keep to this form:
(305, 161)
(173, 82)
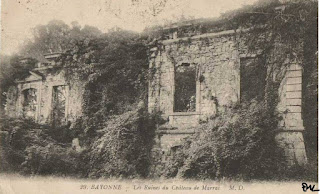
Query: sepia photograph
(158, 96)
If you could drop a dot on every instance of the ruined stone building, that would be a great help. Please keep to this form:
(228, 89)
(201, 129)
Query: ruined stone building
(194, 75)
(197, 74)
(45, 95)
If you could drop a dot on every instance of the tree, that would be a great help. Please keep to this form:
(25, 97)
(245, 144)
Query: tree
(11, 69)
(56, 36)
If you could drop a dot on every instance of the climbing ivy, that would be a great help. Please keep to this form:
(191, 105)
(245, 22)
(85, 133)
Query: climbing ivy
(113, 69)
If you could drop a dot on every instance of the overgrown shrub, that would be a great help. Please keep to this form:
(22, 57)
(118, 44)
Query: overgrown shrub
(14, 135)
(53, 158)
(32, 148)
(123, 148)
(237, 144)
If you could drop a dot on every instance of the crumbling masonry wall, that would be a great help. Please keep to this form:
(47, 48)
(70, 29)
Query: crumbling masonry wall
(216, 57)
(218, 76)
(217, 63)
(44, 87)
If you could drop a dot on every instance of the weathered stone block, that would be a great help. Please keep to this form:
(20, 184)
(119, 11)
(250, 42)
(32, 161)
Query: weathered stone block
(293, 145)
(295, 67)
(295, 73)
(294, 80)
(295, 87)
(293, 120)
(296, 109)
(293, 102)
(294, 94)
(184, 121)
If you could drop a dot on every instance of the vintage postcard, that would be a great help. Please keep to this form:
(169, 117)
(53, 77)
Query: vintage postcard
(159, 96)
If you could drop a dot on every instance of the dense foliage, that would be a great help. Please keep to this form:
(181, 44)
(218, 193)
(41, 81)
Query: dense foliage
(121, 149)
(238, 143)
(56, 36)
(31, 148)
(113, 69)
(124, 147)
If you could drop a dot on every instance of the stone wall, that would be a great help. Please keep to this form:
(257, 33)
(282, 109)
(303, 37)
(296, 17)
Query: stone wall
(217, 62)
(218, 76)
(217, 58)
(291, 136)
(44, 86)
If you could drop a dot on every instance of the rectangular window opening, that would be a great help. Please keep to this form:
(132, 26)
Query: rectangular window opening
(185, 88)
(252, 79)
(58, 105)
(29, 105)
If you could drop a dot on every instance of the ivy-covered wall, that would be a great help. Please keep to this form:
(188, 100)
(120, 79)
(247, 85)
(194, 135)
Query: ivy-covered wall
(216, 59)
(222, 65)
(217, 63)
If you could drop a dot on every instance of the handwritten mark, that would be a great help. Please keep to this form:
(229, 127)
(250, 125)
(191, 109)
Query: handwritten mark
(305, 187)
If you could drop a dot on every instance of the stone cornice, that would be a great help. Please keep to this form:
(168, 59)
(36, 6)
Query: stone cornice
(206, 35)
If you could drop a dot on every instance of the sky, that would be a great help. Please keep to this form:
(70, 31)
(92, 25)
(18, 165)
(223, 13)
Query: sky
(18, 17)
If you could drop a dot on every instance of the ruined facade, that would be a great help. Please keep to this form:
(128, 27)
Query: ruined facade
(195, 76)
(192, 79)
(45, 95)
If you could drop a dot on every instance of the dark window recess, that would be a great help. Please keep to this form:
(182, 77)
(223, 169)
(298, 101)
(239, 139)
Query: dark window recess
(253, 79)
(29, 104)
(185, 88)
(58, 105)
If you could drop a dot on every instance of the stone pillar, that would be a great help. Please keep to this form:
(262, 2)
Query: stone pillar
(291, 137)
